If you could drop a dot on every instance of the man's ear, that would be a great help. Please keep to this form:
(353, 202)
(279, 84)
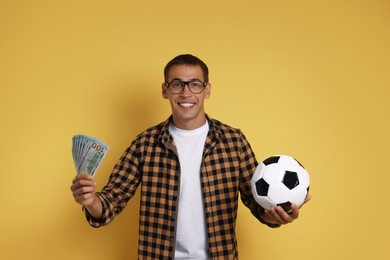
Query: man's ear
(208, 90)
(164, 91)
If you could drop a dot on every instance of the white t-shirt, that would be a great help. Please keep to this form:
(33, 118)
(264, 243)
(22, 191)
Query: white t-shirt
(191, 237)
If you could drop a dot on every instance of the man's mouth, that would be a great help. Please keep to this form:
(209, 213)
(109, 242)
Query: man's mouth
(186, 104)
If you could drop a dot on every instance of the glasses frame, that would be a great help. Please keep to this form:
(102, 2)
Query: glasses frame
(186, 83)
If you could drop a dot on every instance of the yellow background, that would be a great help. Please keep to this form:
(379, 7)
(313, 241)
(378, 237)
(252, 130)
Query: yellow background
(304, 78)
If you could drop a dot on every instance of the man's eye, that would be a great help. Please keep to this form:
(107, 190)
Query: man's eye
(195, 84)
(176, 84)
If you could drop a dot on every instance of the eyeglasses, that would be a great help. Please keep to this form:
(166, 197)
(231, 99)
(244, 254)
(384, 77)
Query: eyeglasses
(177, 86)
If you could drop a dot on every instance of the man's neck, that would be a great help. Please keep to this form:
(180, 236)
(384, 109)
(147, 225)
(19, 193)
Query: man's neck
(190, 124)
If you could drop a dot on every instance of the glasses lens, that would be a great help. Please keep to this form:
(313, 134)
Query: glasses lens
(176, 86)
(196, 87)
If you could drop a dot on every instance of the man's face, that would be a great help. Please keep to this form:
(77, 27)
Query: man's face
(187, 108)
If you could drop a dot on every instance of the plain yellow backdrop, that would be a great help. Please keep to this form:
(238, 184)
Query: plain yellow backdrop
(304, 78)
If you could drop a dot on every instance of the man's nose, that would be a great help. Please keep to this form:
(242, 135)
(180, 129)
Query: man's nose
(186, 90)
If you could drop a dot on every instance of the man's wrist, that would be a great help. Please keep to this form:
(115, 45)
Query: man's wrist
(95, 209)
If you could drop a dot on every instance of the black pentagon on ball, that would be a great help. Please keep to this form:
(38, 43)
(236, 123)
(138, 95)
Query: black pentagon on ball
(262, 187)
(271, 160)
(286, 206)
(290, 179)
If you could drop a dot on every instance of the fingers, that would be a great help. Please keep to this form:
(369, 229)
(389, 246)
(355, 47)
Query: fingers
(307, 198)
(83, 189)
(82, 176)
(81, 179)
(282, 217)
(82, 183)
(294, 214)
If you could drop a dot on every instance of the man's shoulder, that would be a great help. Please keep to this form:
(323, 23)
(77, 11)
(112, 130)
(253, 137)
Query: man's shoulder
(225, 129)
(153, 131)
(231, 137)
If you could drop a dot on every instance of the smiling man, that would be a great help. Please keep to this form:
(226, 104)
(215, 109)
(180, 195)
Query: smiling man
(192, 169)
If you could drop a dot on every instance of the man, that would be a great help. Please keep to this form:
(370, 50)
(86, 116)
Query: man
(192, 168)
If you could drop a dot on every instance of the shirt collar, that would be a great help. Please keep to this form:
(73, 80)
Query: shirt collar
(165, 137)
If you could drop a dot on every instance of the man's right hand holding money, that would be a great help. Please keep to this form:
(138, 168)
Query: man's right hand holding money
(84, 192)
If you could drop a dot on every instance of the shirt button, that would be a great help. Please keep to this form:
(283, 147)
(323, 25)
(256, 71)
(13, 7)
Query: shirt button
(172, 239)
(175, 194)
(173, 218)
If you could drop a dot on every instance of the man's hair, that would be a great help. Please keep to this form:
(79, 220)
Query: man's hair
(187, 59)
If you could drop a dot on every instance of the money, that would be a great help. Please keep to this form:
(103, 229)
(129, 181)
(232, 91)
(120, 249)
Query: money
(88, 153)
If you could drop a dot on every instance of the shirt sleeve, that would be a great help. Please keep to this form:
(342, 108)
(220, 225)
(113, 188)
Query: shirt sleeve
(120, 188)
(248, 166)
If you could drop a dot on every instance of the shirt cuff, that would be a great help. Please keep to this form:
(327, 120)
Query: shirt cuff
(94, 222)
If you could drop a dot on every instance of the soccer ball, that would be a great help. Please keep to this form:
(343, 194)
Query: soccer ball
(280, 180)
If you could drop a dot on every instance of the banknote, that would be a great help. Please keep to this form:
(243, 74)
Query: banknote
(88, 153)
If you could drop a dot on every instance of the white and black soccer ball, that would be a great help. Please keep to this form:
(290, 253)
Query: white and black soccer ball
(280, 180)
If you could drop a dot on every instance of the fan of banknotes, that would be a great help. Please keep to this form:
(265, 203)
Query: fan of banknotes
(88, 153)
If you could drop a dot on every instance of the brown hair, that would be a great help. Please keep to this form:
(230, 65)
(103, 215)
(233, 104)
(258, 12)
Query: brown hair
(187, 59)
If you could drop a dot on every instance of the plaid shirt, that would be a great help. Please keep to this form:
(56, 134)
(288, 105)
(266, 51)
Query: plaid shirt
(227, 167)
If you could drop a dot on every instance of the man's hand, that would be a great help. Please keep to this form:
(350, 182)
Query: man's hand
(277, 215)
(84, 192)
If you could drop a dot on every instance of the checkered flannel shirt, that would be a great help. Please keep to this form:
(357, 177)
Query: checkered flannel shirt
(151, 159)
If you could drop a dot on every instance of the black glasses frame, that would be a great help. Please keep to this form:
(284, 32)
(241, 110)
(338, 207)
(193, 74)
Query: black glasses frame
(186, 83)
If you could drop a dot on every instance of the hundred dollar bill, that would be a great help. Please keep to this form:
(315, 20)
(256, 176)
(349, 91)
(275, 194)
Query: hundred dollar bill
(88, 153)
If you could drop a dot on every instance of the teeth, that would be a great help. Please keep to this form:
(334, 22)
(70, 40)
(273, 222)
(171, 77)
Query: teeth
(186, 104)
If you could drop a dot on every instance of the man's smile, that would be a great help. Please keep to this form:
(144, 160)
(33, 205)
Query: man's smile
(186, 104)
